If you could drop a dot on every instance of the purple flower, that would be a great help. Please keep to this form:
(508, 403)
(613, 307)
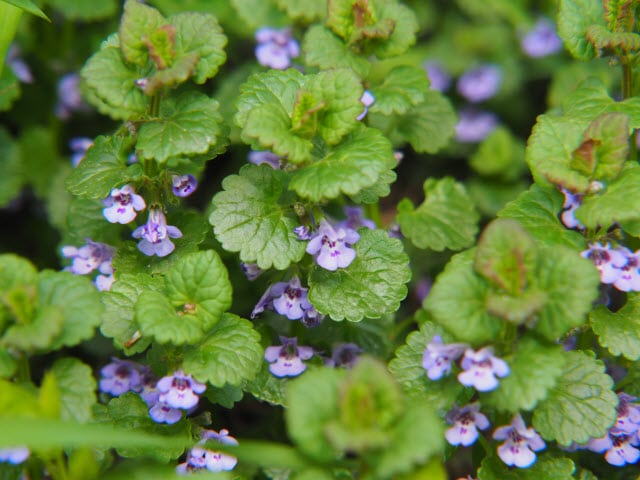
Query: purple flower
(200, 458)
(572, 202)
(466, 421)
(155, 235)
(480, 83)
(17, 65)
(629, 276)
(286, 298)
(276, 48)
(367, 100)
(251, 270)
(69, 97)
(475, 125)
(607, 260)
(331, 248)
(620, 448)
(89, 257)
(121, 376)
(104, 282)
(286, 360)
(183, 186)
(302, 232)
(121, 205)
(79, 147)
(439, 78)
(179, 390)
(160, 412)
(14, 455)
(541, 40)
(344, 355)
(481, 368)
(422, 288)
(437, 357)
(258, 157)
(520, 443)
(355, 219)
(311, 318)
(628, 419)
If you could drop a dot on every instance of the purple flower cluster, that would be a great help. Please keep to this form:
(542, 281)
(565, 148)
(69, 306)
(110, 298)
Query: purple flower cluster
(288, 299)
(276, 48)
(200, 458)
(183, 185)
(479, 368)
(520, 443)
(542, 40)
(155, 235)
(618, 266)
(90, 257)
(286, 360)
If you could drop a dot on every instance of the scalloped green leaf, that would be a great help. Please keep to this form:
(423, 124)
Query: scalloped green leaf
(402, 88)
(547, 467)
(374, 283)
(457, 302)
(322, 48)
(103, 169)
(305, 10)
(445, 219)
(253, 216)
(138, 22)
(619, 331)
(602, 38)
(501, 155)
(537, 210)
(378, 190)
(358, 162)
(267, 387)
(582, 405)
(77, 389)
(16, 271)
(574, 18)
(230, 354)
(157, 317)
(188, 125)
(38, 334)
(407, 368)
(258, 13)
(534, 369)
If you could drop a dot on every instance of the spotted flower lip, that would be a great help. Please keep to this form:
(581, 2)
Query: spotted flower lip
(276, 47)
(287, 360)
(160, 412)
(200, 457)
(183, 185)
(629, 274)
(480, 83)
(466, 421)
(332, 248)
(619, 450)
(520, 443)
(180, 390)
(438, 357)
(607, 260)
(122, 204)
(481, 369)
(155, 235)
(286, 298)
(628, 419)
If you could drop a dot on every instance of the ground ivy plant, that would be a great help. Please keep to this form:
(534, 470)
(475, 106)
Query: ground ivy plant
(320, 239)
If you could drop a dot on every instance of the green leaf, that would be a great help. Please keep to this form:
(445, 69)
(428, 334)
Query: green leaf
(574, 17)
(457, 302)
(188, 125)
(225, 396)
(118, 321)
(353, 165)
(267, 387)
(9, 89)
(619, 331)
(253, 216)
(534, 369)
(428, 127)
(602, 38)
(28, 6)
(196, 293)
(373, 285)
(230, 354)
(103, 169)
(8, 364)
(77, 299)
(619, 202)
(403, 87)
(11, 180)
(546, 467)
(38, 334)
(537, 210)
(500, 155)
(85, 10)
(199, 33)
(445, 219)
(139, 21)
(84, 219)
(258, 13)
(77, 389)
(313, 401)
(378, 190)
(582, 404)
(322, 48)
(16, 271)
(305, 10)
(39, 158)
(407, 368)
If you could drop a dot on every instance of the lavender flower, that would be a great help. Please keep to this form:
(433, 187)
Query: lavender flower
(179, 390)
(120, 376)
(619, 448)
(160, 412)
(629, 275)
(480, 83)
(475, 125)
(367, 100)
(104, 282)
(541, 40)
(466, 421)
(14, 455)
(439, 78)
(607, 260)
(259, 157)
(331, 248)
(17, 65)
(355, 219)
(69, 97)
(344, 355)
(122, 204)
(302, 232)
(251, 270)
(286, 298)
(437, 357)
(520, 445)
(286, 360)
(571, 203)
(89, 257)
(481, 368)
(311, 318)
(79, 147)
(276, 48)
(155, 235)
(200, 458)
(628, 419)
(183, 185)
